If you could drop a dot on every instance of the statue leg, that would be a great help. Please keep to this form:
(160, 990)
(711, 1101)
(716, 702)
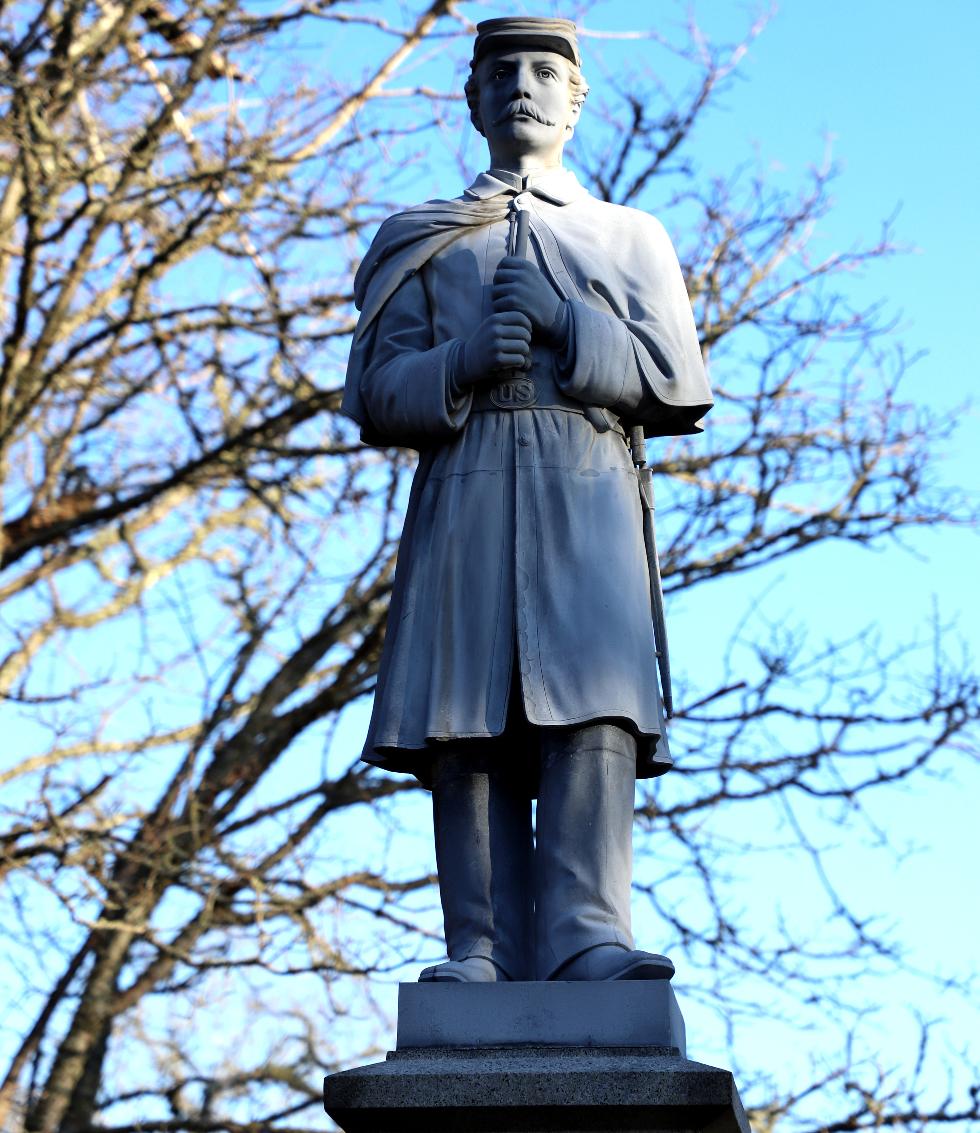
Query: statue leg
(482, 822)
(584, 858)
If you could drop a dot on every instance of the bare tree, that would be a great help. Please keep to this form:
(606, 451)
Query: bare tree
(197, 555)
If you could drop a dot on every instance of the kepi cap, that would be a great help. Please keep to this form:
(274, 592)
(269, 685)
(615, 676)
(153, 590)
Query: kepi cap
(515, 31)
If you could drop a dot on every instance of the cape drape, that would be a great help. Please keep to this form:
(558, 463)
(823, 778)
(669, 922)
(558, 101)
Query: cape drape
(404, 243)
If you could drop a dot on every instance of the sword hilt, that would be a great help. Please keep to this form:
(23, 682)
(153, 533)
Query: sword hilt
(519, 239)
(520, 232)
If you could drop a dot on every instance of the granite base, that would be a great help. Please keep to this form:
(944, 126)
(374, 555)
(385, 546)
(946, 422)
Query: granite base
(535, 1090)
(536, 1058)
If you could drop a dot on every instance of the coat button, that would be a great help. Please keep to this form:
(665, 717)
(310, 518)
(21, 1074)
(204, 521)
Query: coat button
(523, 440)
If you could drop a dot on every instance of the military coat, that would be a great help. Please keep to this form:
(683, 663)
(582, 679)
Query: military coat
(522, 563)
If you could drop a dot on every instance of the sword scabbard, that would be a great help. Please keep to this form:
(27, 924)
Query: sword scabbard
(644, 477)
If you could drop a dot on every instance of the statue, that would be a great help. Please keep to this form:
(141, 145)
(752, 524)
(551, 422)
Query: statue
(516, 336)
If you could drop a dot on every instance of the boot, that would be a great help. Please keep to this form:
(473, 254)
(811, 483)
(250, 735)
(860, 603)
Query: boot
(482, 822)
(584, 859)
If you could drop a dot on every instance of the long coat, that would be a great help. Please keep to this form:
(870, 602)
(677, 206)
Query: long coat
(523, 541)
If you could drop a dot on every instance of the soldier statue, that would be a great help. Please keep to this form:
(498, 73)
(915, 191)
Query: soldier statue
(518, 336)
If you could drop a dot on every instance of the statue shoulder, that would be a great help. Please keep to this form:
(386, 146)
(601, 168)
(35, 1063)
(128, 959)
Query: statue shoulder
(622, 222)
(422, 214)
(406, 241)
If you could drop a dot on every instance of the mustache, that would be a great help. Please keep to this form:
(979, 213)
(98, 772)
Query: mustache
(526, 107)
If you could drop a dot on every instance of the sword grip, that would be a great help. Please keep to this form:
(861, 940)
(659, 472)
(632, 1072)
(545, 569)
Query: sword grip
(520, 233)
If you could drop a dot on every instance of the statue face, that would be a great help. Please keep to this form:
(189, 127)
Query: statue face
(526, 104)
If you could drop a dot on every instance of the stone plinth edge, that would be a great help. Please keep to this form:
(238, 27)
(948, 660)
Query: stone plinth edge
(440, 1015)
(543, 1089)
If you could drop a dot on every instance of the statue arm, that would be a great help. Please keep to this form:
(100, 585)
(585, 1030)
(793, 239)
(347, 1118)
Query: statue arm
(411, 389)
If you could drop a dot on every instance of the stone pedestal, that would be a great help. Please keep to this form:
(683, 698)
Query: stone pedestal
(561, 1057)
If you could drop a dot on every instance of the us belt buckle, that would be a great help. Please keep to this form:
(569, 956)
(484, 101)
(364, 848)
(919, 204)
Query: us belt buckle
(519, 393)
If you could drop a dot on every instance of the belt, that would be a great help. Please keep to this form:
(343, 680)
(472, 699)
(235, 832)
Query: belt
(536, 389)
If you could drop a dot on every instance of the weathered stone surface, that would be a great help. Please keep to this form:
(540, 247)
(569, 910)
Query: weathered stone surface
(531, 1089)
(641, 1014)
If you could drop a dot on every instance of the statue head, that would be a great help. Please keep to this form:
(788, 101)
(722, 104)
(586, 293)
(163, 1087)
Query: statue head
(525, 90)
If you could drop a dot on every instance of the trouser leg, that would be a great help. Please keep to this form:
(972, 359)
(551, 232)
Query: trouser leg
(584, 845)
(482, 823)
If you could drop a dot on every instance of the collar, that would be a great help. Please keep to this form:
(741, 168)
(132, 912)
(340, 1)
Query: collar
(559, 186)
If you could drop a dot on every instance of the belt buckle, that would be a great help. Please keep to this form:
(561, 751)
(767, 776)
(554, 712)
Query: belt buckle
(516, 393)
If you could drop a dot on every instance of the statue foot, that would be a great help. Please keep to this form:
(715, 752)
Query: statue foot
(474, 969)
(615, 962)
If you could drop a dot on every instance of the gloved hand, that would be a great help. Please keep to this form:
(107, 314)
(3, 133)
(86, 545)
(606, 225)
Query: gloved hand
(501, 342)
(519, 285)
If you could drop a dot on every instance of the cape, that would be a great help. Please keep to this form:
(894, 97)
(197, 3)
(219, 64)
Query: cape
(409, 240)
(405, 242)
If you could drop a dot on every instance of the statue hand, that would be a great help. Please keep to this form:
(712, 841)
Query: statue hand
(500, 342)
(519, 285)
